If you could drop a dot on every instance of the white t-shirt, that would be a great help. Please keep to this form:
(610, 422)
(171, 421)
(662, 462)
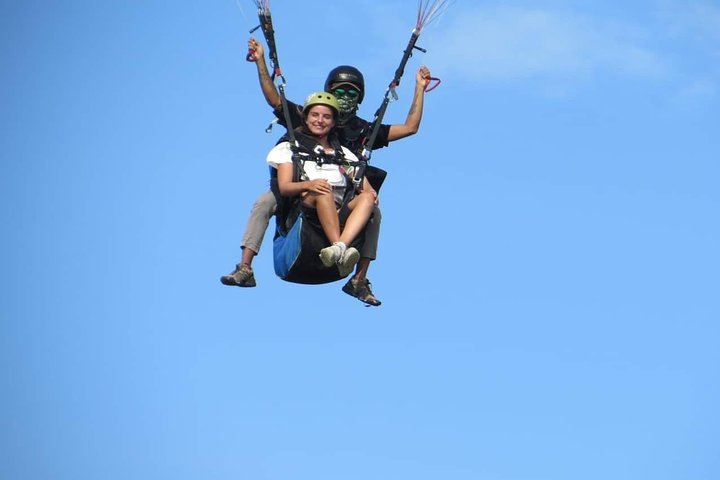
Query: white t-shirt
(281, 153)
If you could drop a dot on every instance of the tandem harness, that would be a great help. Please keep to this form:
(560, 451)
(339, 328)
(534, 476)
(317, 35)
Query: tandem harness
(299, 236)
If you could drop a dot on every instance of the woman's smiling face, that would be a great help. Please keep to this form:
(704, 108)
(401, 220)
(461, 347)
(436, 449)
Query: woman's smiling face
(320, 120)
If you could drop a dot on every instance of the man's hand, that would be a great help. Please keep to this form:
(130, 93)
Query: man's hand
(255, 50)
(422, 77)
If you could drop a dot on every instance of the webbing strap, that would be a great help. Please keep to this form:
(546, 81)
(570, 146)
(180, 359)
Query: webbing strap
(390, 91)
(277, 76)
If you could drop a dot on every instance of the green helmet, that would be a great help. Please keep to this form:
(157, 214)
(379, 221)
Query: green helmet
(322, 98)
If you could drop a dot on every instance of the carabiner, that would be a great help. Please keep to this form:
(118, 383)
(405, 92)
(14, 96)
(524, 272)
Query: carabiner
(394, 94)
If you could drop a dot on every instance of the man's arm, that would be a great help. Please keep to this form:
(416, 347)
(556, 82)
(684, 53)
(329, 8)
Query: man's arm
(412, 122)
(256, 52)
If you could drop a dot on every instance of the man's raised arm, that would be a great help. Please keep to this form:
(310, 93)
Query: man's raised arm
(256, 53)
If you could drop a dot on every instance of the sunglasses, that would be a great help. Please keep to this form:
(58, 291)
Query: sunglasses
(350, 92)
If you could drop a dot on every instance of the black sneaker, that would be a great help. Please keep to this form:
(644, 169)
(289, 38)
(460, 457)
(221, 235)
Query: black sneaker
(242, 276)
(360, 289)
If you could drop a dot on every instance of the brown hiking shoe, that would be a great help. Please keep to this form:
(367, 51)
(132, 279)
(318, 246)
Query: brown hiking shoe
(242, 276)
(360, 289)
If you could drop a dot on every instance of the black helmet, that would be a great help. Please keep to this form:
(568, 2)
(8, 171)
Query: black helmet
(346, 74)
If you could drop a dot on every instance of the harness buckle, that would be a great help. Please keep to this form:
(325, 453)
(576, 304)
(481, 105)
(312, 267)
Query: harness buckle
(359, 175)
(319, 155)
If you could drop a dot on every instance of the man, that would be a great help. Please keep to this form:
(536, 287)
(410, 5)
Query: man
(348, 85)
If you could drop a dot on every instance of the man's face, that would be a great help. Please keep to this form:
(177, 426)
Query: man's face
(348, 96)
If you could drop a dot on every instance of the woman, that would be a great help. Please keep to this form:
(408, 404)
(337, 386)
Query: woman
(327, 168)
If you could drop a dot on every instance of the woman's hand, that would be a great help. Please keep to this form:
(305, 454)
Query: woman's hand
(372, 192)
(319, 186)
(367, 188)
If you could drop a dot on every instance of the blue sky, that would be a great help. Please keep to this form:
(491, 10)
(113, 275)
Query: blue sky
(548, 266)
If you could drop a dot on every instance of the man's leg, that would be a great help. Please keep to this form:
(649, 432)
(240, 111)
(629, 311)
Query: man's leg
(359, 286)
(262, 210)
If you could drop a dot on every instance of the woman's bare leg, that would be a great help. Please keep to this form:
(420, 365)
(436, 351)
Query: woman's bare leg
(361, 207)
(327, 214)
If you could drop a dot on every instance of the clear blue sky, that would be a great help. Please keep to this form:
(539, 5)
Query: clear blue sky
(548, 266)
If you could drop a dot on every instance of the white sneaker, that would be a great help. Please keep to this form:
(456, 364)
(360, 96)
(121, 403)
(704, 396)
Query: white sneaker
(329, 256)
(347, 261)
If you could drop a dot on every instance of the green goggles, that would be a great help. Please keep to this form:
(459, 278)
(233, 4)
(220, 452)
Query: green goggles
(350, 92)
